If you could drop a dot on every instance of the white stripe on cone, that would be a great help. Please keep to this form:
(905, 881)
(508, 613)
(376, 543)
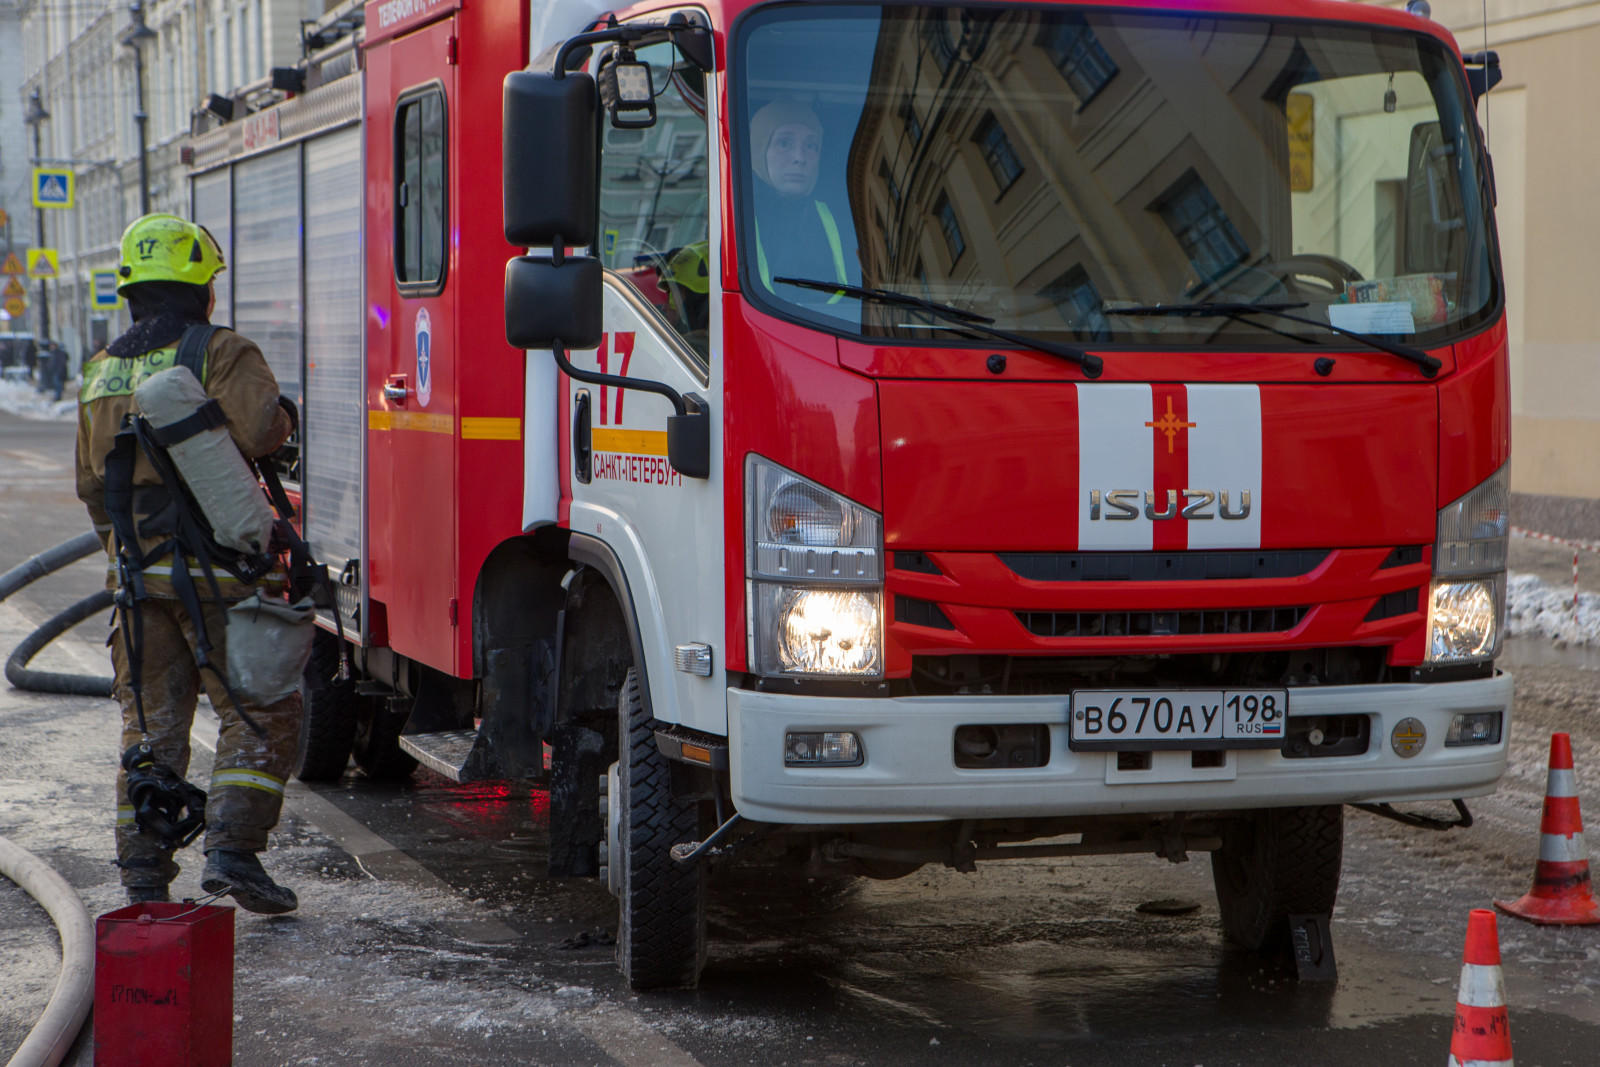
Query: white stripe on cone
(1559, 848)
(1561, 783)
(1481, 1063)
(1481, 986)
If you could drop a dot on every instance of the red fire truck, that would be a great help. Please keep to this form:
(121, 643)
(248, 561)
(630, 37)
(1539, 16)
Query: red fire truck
(874, 435)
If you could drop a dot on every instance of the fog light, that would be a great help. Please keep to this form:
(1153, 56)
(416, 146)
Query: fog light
(1477, 728)
(822, 750)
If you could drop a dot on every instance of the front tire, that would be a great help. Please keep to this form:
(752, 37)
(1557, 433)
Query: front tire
(1273, 864)
(661, 924)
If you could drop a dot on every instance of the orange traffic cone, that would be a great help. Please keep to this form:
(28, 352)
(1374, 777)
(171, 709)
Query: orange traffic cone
(1482, 1034)
(1560, 895)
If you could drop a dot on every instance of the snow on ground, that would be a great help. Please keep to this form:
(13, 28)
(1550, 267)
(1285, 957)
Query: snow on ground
(23, 398)
(1536, 608)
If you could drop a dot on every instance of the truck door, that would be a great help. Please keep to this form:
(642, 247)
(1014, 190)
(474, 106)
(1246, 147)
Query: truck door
(412, 341)
(662, 323)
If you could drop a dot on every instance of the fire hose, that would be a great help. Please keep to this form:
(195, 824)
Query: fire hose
(25, 574)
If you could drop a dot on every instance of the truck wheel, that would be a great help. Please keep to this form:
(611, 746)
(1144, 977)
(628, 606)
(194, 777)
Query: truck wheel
(1273, 864)
(377, 741)
(328, 720)
(661, 925)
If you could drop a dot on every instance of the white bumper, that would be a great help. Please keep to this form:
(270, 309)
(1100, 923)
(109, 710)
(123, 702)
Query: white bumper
(909, 773)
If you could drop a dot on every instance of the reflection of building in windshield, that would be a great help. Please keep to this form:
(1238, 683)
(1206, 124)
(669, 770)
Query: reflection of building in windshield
(653, 181)
(1030, 164)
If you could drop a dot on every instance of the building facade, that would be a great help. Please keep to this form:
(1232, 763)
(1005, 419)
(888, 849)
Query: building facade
(1543, 134)
(78, 56)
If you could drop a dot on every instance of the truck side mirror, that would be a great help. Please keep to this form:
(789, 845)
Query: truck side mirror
(550, 302)
(550, 158)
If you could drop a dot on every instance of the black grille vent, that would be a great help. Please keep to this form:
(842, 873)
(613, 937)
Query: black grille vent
(915, 561)
(920, 613)
(1387, 607)
(1403, 556)
(1161, 566)
(1160, 623)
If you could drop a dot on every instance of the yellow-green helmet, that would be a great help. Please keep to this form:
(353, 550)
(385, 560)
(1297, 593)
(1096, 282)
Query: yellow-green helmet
(688, 268)
(165, 248)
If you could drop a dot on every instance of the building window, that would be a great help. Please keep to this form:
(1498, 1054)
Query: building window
(1203, 229)
(1078, 301)
(998, 153)
(908, 115)
(936, 35)
(419, 195)
(889, 183)
(945, 212)
(1078, 54)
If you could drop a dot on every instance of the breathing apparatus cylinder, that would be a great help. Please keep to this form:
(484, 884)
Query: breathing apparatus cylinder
(217, 475)
(269, 644)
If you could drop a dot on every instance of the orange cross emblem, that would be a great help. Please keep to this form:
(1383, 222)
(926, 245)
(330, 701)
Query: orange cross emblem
(1170, 424)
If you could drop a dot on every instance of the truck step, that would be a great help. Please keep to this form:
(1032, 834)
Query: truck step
(448, 752)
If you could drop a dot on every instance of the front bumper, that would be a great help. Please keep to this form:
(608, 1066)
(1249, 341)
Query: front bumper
(909, 773)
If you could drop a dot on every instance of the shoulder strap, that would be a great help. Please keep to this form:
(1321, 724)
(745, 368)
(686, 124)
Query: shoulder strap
(192, 349)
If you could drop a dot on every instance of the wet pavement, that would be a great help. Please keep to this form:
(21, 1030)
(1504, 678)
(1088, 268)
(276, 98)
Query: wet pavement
(429, 934)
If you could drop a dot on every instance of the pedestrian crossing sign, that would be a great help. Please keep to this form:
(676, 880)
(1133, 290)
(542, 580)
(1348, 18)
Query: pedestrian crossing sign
(42, 263)
(13, 265)
(14, 287)
(105, 289)
(53, 187)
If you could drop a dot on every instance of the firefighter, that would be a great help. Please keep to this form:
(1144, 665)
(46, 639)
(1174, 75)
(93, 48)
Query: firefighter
(686, 279)
(167, 642)
(796, 234)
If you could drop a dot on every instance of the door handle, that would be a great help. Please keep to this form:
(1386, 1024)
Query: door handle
(582, 448)
(395, 391)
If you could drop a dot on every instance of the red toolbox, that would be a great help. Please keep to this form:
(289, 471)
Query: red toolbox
(163, 986)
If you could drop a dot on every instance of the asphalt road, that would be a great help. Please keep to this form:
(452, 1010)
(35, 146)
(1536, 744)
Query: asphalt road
(428, 933)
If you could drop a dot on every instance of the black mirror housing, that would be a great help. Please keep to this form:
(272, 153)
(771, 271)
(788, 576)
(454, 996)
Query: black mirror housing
(549, 159)
(549, 303)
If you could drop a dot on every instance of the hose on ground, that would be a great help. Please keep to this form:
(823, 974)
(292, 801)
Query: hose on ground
(51, 1038)
(25, 574)
(80, 685)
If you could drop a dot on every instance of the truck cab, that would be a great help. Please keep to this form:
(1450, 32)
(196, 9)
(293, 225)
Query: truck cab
(879, 435)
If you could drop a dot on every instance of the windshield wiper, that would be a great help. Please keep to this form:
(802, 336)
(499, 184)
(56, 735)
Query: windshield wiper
(1429, 365)
(1092, 364)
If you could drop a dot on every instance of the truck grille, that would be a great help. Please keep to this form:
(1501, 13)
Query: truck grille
(1160, 623)
(1162, 566)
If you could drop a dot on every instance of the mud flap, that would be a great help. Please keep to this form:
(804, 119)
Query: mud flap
(1311, 941)
(578, 757)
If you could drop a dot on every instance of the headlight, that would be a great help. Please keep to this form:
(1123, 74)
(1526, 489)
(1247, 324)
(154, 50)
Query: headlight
(1464, 620)
(1473, 531)
(818, 631)
(814, 562)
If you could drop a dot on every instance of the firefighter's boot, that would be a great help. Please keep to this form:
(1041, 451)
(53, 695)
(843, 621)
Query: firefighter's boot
(148, 894)
(241, 875)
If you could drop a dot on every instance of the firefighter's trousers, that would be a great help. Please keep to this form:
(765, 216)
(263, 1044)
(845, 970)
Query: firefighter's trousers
(247, 780)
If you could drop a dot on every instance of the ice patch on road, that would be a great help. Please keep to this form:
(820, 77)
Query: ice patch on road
(24, 399)
(1535, 608)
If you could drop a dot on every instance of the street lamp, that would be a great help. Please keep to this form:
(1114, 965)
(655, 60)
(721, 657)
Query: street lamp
(137, 34)
(36, 116)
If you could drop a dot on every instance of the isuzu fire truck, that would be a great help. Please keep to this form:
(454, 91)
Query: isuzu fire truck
(869, 435)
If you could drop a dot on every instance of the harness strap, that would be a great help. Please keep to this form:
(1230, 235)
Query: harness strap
(207, 416)
(192, 349)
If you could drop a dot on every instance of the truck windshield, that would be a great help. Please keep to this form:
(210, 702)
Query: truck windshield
(1045, 168)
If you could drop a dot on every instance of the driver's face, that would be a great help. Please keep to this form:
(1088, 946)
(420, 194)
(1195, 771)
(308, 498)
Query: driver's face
(792, 158)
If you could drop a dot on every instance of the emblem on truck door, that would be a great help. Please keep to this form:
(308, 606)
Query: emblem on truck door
(1123, 505)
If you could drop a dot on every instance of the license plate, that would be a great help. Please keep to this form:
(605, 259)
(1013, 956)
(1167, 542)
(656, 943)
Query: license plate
(1147, 720)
